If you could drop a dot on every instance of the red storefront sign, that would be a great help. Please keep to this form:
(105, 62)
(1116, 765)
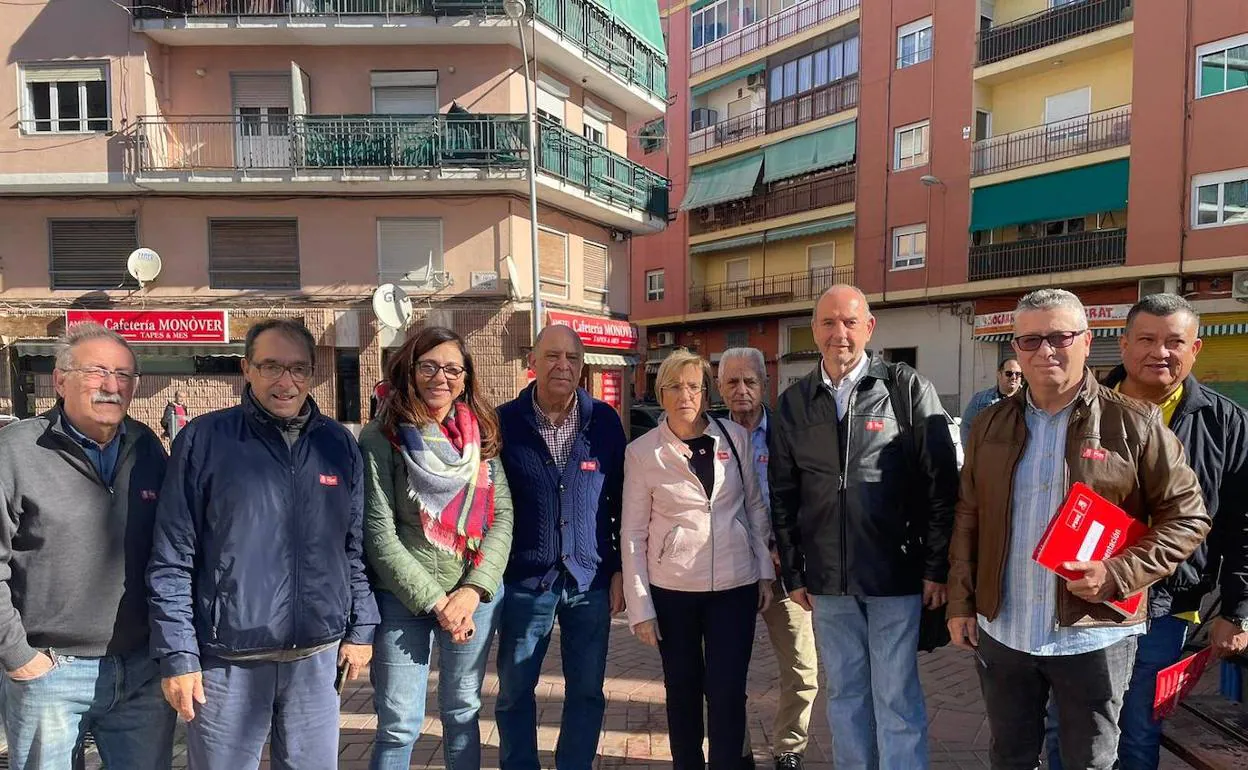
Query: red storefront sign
(598, 332)
(612, 386)
(186, 326)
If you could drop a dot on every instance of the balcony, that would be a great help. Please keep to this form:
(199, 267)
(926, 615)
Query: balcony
(1079, 136)
(576, 30)
(786, 113)
(803, 286)
(1046, 28)
(1055, 254)
(765, 32)
(602, 174)
(782, 199)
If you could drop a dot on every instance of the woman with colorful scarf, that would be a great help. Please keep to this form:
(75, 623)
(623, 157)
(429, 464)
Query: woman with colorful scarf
(437, 532)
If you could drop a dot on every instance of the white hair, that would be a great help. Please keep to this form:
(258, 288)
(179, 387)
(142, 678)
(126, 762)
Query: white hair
(1053, 299)
(85, 332)
(752, 356)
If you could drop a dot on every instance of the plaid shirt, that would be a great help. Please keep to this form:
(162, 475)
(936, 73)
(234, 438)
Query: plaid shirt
(558, 438)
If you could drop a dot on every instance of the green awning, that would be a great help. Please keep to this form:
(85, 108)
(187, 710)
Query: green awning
(811, 152)
(641, 17)
(698, 5)
(1062, 195)
(811, 228)
(727, 180)
(719, 82)
(726, 244)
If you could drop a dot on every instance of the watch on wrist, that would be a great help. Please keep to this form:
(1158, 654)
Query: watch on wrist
(1241, 623)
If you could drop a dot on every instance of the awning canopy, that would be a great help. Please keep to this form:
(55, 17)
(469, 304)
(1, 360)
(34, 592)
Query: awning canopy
(232, 350)
(609, 359)
(641, 17)
(811, 152)
(1062, 195)
(727, 180)
(727, 243)
(811, 228)
(1217, 330)
(719, 82)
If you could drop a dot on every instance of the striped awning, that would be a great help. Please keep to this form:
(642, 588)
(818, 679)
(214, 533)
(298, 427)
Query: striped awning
(652, 367)
(1218, 330)
(609, 359)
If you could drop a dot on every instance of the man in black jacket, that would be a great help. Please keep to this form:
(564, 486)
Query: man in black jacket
(864, 478)
(1159, 348)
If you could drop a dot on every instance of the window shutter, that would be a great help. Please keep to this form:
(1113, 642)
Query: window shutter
(552, 249)
(736, 270)
(62, 72)
(596, 266)
(393, 100)
(262, 91)
(409, 251)
(822, 256)
(91, 253)
(253, 253)
(1065, 106)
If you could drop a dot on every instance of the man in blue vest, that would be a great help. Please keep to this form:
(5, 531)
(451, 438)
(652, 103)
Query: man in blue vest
(564, 456)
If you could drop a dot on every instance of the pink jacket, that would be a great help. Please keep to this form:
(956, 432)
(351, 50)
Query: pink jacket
(673, 537)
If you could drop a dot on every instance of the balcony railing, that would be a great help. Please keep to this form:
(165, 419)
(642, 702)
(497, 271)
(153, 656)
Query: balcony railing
(789, 197)
(1048, 27)
(599, 172)
(1077, 136)
(777, 116)
(804, 286)
(764, 32)
(1079, 251)
(583, 23)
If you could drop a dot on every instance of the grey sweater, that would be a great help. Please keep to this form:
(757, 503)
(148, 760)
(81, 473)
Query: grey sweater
(73, 551)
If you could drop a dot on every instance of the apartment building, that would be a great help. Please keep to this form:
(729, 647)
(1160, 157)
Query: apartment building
(285, 157)
(999, 147)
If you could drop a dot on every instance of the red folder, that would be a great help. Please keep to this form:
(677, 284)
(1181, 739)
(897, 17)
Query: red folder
(1174, 683)
(1089, 528)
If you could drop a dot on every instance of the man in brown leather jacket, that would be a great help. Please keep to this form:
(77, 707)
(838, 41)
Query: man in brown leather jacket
(1033, 631)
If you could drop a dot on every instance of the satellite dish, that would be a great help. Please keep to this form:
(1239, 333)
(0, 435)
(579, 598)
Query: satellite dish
(144, 265)
(392, 306)
(513, 277)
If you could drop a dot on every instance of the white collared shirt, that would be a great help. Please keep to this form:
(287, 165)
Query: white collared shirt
(841, 392)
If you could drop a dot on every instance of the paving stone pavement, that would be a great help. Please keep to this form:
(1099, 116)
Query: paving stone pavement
(635, 730)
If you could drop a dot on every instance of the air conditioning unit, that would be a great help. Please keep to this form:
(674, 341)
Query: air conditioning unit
(1166, 285)
(1239, 285)
(755, 81)
(708, 215)
(664, 339)
(702, 117)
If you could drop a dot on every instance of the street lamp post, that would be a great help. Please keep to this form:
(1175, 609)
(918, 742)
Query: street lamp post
(515, 10)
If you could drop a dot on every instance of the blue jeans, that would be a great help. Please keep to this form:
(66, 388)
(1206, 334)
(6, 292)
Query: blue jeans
(116, 698)
(869, 649)
(400, 676)
(1139, 745)
(524, 634)
(245, 699)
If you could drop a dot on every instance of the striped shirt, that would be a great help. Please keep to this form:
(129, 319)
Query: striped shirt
(558, 438)
(1028, 617)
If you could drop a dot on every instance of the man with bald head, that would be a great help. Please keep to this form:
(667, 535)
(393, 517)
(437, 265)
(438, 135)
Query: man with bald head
(863, 477)
(564, 456)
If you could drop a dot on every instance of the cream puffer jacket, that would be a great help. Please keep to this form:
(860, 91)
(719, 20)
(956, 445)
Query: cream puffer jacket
(673, 536)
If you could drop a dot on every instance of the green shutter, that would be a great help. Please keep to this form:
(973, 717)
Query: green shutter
(811, 228)
(727, 180)
(641, 17)
(711, 85)
(1062, 195)
(804, 154)
(727, 243)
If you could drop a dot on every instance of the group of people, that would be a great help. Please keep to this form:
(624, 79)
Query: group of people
(240, 581)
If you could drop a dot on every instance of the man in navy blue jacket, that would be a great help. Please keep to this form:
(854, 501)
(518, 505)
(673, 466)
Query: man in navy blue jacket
(256, 582)
(564, 456)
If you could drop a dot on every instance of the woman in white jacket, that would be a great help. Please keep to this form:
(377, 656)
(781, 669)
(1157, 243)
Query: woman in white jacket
(694, 536)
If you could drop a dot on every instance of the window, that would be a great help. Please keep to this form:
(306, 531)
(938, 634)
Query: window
(910, 146)
(914, 43)
(1220, 199)
(651, 136)
(715, 21)
(1066, 114)
(654, 285)
(907, 356)
(1222, 66)
(409, 253)
(814, 70)
(1063, 227)
(737, 270)
(801, 339)
(983, 125)
(91, 253)
(403, 100)
(253, 253)
(909, 246)
(67, 97)
(347, 384)
(597, 268)
(551, 97)
(594, 130)
(737, 338)
(552, 249)
(821, 259)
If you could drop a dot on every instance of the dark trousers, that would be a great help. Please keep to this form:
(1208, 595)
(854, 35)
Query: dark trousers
(1088, 689)
(706, 638)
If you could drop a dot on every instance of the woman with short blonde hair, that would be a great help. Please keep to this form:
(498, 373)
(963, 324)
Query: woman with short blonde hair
(693, 537)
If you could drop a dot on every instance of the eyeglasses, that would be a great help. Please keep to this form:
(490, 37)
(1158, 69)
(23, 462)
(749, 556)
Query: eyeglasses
(94, 375)
(693, 390)
(429, 370)
(272, 371)
(1013, 375)
(1056, 340)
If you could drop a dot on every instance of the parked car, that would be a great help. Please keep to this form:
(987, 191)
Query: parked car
(642, 418)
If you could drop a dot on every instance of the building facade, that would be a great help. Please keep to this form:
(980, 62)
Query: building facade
(285, 158)
(997, 147)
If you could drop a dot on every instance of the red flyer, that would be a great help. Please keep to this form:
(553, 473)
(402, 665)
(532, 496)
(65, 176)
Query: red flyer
(1174, 683)
(1089, 528)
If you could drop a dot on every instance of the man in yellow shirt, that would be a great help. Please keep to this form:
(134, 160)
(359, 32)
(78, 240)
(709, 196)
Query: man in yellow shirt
(1159, 347)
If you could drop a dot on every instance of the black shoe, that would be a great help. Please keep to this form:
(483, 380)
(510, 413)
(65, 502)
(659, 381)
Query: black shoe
(789, 761)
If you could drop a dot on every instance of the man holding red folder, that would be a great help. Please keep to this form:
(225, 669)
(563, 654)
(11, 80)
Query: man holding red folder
(1034, 631)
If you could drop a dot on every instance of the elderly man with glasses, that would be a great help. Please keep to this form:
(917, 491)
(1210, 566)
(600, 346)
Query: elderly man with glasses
(258, 590)
(1031, 630)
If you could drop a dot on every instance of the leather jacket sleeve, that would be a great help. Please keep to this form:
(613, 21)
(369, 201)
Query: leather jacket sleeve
(938, 468)
(1232, 519)
(964, 544)
(786, 495)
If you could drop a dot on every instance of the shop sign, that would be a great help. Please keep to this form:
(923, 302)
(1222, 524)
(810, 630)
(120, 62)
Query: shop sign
(165, 326)
(598, 332)
(1099, 317)
(612, 387)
